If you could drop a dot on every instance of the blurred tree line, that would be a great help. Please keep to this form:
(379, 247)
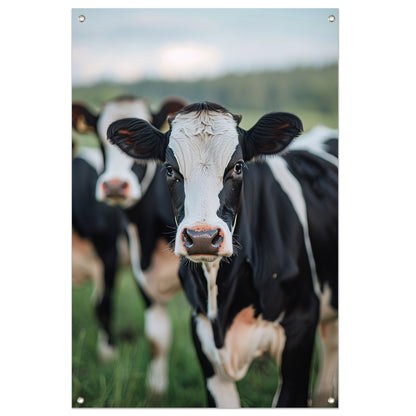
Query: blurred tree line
(312, 91)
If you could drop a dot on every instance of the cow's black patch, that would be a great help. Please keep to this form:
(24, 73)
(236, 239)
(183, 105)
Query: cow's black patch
(230, 195)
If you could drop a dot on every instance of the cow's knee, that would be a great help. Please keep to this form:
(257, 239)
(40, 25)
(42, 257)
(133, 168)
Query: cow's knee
(158, 333)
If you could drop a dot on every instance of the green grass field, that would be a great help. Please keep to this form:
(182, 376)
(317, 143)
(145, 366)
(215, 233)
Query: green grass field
(121, 383)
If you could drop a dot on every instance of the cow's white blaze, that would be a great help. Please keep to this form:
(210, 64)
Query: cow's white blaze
(118, 164)
(203, 144)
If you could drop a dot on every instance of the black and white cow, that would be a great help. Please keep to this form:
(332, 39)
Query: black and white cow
(141, 191)
(97, 229)
(258, 239)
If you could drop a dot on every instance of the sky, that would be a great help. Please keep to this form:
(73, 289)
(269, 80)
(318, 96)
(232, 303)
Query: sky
(126, 45)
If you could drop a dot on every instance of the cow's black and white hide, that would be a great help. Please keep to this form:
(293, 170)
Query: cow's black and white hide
(257, 233)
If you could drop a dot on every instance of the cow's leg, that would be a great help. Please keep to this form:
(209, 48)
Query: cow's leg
(221, 391)
(278, 352)
(103, 307)
(300, 327)
(157, 323)
(159, 334)
(327, 387)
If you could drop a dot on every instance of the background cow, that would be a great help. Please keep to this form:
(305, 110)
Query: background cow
(97, 229)
(140, 190)
(258, 238)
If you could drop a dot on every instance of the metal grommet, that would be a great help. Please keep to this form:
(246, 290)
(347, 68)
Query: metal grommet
(331, 18)
(81, 18)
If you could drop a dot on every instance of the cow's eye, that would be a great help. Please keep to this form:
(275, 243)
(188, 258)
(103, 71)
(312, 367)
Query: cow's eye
(238, 168)
(169, 170)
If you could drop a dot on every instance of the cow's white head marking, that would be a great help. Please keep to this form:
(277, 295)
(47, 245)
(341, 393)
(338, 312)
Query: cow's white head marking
(203, 145)
(118, 184)
(204, 154)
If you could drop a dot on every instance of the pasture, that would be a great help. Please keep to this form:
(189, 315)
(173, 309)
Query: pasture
(121, 383)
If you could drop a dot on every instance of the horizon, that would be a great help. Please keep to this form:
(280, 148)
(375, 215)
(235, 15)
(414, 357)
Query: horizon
(104, 81)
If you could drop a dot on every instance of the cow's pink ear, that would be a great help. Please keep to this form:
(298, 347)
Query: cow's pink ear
(83, 121)
(270, 135)
(138, 139)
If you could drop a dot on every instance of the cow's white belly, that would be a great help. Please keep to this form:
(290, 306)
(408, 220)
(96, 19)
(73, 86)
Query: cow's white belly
(247, 338)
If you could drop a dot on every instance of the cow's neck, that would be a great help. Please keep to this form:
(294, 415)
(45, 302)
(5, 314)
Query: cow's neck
(229, 289)
(220, 289)
(210, 270)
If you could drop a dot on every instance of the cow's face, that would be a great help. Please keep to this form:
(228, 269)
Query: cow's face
(204, 168)
(204, 154)
(121, 182)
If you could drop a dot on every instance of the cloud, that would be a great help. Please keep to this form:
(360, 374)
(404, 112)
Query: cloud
(90, 65)
(188, 61)
(173, 61)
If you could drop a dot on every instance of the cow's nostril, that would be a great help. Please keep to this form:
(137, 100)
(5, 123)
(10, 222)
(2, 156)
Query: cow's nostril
(187, 240)
(217, 239)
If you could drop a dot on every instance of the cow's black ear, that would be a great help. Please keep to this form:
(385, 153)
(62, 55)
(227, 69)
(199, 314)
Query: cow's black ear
(169, 108)
(83, 121)
(138, 138)
(270, 135)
